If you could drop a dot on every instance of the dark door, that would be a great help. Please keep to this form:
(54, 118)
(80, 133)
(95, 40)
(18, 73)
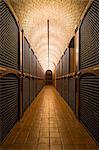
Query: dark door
(48, 77)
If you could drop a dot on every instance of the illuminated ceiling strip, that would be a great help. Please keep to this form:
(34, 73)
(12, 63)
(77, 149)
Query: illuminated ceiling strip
(48, 41)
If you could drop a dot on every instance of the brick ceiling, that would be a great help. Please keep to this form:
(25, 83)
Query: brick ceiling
(63, 16)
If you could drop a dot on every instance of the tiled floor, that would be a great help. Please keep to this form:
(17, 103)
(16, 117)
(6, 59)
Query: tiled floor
(49, 124)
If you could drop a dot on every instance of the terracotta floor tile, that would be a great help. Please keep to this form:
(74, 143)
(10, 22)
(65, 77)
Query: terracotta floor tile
(44, 134)
(53, 129)
(31, 139)
(67, 141)
(54, 134)
(56, 147)
(44, 140)
(29, 147)
(43, 147)
(55, 141)
(69, 147)
(15, 147)
(86, 147)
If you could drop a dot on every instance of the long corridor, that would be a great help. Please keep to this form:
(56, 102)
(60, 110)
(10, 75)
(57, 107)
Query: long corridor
(49, 124)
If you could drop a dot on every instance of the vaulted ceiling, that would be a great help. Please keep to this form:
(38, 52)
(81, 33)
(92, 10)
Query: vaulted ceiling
(63, 16)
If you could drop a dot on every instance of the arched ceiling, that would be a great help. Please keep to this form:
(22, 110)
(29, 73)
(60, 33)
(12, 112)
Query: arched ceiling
(63, 16)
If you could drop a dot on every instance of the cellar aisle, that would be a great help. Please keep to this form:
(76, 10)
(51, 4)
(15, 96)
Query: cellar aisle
(49, 125)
